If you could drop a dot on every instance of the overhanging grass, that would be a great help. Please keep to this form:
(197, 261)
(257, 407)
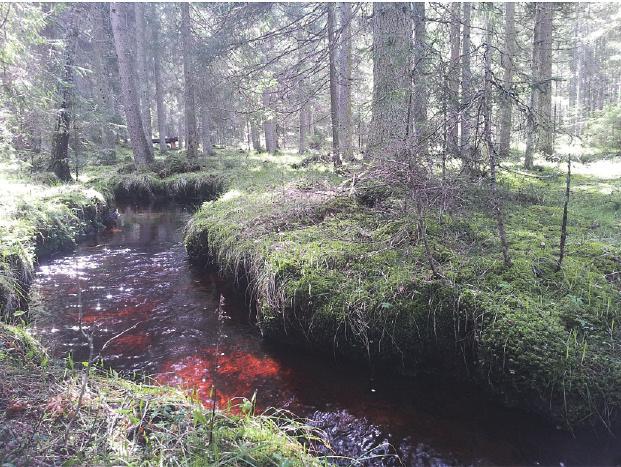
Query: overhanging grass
(38, 220)
(336, 272)
(119, 422)
(171, 178)
(122, 422)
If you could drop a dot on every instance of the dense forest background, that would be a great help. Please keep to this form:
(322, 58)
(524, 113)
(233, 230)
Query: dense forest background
(347, 79)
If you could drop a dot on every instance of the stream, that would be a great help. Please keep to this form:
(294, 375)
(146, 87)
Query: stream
(153, 313)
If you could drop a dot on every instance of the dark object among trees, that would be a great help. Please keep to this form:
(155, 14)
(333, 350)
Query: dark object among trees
(170, 141)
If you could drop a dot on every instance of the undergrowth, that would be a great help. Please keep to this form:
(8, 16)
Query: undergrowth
(37, 220)
(128, 423)
(117, 421)
(343, 270)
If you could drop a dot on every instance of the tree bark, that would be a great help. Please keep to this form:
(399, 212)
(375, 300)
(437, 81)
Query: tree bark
(344, 82)
(491, 150)
(334, 97)
(143, 70)
(453, 81)
(59, 163)
(191, 129)
(205, 126)
(506, 122)
(303, 115)
(531, 120)
(546, 124)
(269, 125)
(255, 134)
(465, 145)
(302, 98)
(419, 101)
(143, 151)
(392, 80)
(157, 76)
(102, 82)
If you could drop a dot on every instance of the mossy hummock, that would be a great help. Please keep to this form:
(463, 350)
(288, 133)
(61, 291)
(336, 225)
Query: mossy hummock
(330, 270)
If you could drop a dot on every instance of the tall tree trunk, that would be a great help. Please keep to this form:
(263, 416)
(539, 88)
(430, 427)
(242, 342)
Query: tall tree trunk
(334, 97)
(531, 119)
(392, 81)
(191, 130)
(104, 92)
(206, 130)
(157, 76)
(59, 163)
(546, 124)
(344, 81)
(254, 134)
(311, 119)
(453, 81)
(465, 144)
(269, 124)
(491, 150)
(303, 115)
(504, 143)
(143, 151)
(302, 98)
(143, 69)
(419, 101)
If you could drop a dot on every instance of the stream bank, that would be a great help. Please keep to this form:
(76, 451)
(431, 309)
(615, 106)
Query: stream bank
(151, 312)
(119, 421)
(342, 271)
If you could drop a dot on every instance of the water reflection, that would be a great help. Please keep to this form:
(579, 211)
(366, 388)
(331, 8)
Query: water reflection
(149, 311)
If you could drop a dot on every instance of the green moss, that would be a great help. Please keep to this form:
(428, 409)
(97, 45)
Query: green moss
(349, 273)
(37, 220)
(130, 423)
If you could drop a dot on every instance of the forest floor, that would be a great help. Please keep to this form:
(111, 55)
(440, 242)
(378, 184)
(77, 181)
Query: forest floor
(335, 262)
(343, 269)
(118, 421)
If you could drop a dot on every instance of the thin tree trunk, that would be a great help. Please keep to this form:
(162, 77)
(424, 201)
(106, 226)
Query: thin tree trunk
(191, 129)
(344, 81)
(546, 126)
(531, 130)
(59, 163)
(491, 150)
(392, 80)
(206, 137)
(303, 115)
(504, 143)
(157, 75)
(143, 151)
(269, 125)
(465, 144)
(102, 82)
(143, 69)
(561, 255)
(453, 82)
(303, 99)
(255, 135)
(311, 119)
(334, 97)
(419, 109)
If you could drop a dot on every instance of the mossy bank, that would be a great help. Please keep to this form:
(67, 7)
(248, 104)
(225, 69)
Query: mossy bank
(120, 422)
(117, 421)
(39, 219)
(342, 269)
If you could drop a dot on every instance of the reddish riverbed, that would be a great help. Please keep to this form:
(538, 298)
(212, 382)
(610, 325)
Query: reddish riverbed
(136, 284)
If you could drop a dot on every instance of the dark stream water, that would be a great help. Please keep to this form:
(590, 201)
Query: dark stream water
(135, 281)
